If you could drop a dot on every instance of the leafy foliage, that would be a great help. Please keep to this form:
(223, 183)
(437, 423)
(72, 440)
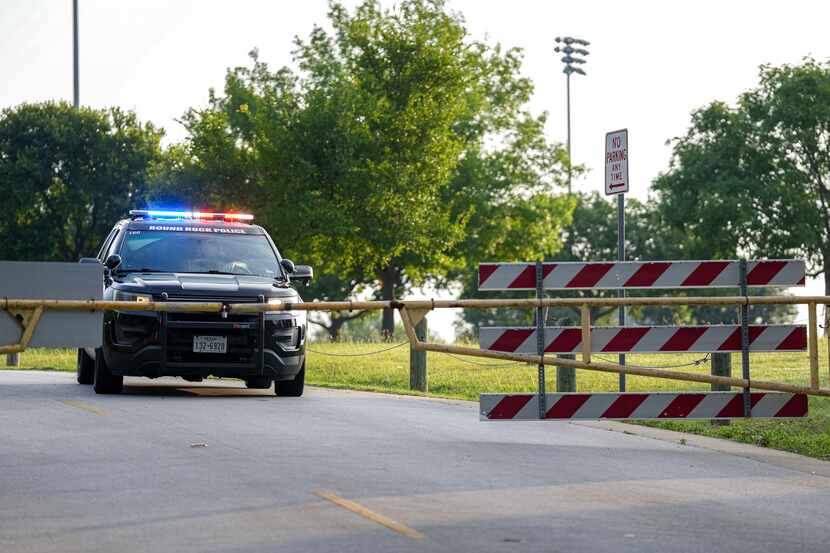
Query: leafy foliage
(66, 175)
(754, 179)
(397, 152)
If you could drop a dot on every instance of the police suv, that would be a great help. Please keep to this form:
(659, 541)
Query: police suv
(197, 257)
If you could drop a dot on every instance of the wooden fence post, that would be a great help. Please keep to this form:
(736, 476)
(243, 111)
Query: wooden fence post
(721, 366)
(418, 360)
(812, 345)
(566, 376)
(586, 334)
(827, 334)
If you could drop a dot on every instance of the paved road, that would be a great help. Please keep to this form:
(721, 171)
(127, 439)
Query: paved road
(349, 471)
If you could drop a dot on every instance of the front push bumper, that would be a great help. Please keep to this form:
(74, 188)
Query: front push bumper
(160, 344)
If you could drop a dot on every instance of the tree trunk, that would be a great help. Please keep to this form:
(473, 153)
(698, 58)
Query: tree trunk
(389, 281)
(826, 321)
(826, 257)
(334, 328)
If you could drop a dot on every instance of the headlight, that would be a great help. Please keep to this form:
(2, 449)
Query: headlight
(300, 315)
(128, 296)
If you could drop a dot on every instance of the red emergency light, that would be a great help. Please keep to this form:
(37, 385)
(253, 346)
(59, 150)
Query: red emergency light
(200, 215)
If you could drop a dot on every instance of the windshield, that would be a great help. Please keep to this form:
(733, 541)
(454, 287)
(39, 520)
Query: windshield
(198, 252)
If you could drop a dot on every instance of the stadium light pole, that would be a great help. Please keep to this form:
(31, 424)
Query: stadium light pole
(76, 82)
(572, 64)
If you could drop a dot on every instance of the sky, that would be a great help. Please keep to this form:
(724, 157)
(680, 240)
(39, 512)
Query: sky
(651, 62)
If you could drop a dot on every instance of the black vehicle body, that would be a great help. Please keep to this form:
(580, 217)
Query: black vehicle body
(265, 346)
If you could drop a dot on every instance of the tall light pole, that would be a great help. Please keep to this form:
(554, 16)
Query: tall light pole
(77, 93)
(571, 66)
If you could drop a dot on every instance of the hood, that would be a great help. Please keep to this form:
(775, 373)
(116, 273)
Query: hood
(203, 286)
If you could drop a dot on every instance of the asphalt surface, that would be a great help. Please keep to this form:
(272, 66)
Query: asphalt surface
(171, 466)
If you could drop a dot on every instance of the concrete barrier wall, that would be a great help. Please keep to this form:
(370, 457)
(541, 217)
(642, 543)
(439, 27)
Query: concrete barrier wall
(54, 281)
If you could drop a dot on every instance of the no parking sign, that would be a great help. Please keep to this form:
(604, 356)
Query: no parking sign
(616, 162)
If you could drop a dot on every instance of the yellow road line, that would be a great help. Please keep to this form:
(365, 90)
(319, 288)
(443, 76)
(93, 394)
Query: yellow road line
(86, 407)
(359, 509)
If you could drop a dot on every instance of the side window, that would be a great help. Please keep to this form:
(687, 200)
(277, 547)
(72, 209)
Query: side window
(102, 254)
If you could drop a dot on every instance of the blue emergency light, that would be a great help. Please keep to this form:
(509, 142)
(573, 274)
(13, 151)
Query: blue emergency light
(203, 216)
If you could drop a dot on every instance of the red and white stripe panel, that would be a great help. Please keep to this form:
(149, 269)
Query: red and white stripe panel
(627, 406)
(637, 274)
(647, 339)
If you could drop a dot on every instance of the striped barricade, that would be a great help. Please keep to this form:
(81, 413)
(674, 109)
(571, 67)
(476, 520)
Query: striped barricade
(640, 406)
(647, 339)
(623, 275)
(639, 275)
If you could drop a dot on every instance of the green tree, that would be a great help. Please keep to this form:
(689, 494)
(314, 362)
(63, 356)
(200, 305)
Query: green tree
(649, 237)
(395, 143)
(754, 179)
(328, 286)
(66, 175)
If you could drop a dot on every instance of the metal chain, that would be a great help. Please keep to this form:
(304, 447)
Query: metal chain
(484, 364)
(356, 354)
(405, 343)
(695, 363)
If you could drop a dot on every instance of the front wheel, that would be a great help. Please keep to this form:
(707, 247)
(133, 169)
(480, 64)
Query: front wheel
(105, 381)
(291, 388)
(85, 368)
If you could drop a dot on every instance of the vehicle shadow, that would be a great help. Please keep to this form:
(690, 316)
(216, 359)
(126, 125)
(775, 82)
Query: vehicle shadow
(189, 389)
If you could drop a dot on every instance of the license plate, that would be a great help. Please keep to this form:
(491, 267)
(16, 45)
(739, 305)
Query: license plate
(210, 344)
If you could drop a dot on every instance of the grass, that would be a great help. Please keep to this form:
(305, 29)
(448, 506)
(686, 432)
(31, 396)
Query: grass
(353, 366)
(46, 359)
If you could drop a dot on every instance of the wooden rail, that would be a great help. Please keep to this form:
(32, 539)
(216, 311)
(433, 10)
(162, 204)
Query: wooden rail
(97, 305)
(412, 305)
(28, 312)
(526, 303)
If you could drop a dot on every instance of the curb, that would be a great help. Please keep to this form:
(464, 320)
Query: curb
(775, 457)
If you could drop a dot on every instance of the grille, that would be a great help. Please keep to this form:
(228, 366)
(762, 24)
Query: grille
(209, 299)
(214, 317)
(242, 342)
(242, 346)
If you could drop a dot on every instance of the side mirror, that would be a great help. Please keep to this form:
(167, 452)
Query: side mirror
(86, 260)
(303, 273)
(288, 265)
(112, 262)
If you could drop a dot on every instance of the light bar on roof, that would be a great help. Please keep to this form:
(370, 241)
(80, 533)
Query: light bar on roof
(204, 216)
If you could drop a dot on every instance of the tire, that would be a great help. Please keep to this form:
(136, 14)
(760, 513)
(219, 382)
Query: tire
(258, 382)
(105, 381)
(291, 388)
(85, 368)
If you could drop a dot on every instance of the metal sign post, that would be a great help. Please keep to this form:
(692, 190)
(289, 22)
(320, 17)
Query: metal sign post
(621, 257)
(616, 182)
(540, 338)
(743, 281)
